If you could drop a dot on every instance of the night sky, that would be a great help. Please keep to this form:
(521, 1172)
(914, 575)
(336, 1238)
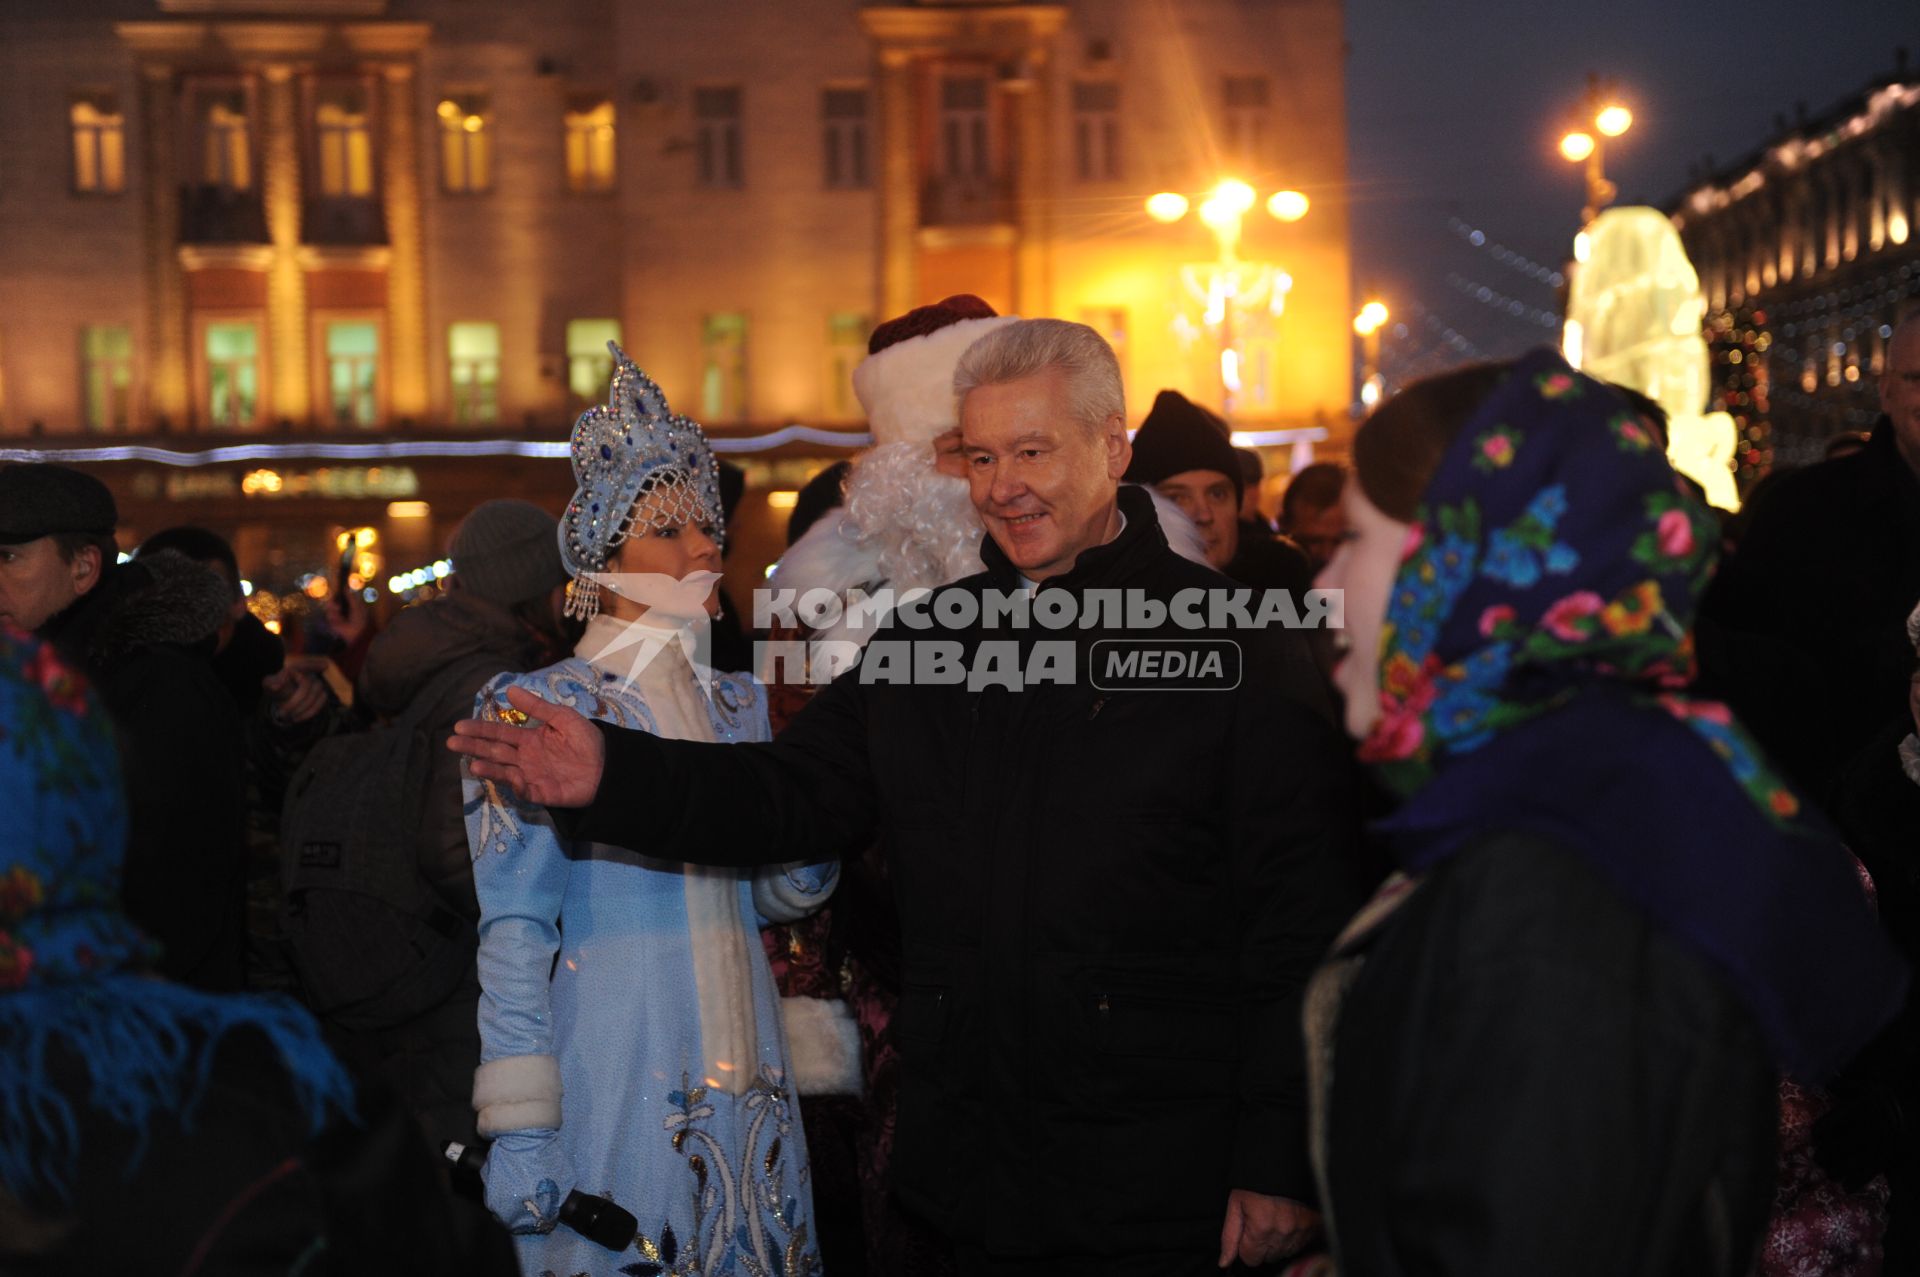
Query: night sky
(1456, 109)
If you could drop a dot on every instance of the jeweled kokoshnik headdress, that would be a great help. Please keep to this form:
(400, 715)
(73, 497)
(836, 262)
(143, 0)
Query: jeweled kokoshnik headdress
(632, 447)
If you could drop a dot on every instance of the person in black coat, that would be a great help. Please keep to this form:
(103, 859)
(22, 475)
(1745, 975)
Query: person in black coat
(1829, 568)
(1109, 890)
(144, 633)
(1186, 454)
(1550, 1043)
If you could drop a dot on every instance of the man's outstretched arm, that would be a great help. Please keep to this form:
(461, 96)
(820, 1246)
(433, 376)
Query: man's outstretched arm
(805, 796)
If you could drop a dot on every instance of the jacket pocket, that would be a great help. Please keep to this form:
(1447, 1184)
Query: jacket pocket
(1167, 1022)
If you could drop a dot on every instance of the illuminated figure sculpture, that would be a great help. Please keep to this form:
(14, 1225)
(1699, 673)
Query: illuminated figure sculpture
(1633, 318)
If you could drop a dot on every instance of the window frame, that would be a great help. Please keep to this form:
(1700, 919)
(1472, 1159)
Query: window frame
(113, 124)
(719, 140)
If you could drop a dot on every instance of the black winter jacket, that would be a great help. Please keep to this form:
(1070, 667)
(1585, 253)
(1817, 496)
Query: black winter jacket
(1109, 901)
(145, 637)
(1529, 1078)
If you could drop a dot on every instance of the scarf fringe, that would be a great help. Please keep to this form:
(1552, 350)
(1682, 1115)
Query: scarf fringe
(149, 1047)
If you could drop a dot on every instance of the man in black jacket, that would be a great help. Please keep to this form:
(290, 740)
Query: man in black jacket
(144, 633)
(1110, 891)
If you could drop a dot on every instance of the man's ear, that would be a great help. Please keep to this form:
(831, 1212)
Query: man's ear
(86, 568)
(1119, 448)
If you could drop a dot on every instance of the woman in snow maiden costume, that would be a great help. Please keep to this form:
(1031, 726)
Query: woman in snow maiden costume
(630, 1029)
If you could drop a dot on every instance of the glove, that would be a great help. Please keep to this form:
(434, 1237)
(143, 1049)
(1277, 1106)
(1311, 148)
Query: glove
(527, 1177)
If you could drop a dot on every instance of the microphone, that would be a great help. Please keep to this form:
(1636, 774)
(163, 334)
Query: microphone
(595, 1218)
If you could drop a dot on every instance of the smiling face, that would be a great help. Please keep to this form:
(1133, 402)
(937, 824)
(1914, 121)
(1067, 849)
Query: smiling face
(1364, 567)
(1044, 483)
(674, 568)
(1207, 497)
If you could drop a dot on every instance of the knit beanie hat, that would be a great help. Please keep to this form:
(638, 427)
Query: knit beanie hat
(1177, 436)
(906, 381)
(506, 551)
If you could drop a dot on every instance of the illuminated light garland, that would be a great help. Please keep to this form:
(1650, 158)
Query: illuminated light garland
(1513, 306)
(1796, 152)
(1504, 255)
(402, 450)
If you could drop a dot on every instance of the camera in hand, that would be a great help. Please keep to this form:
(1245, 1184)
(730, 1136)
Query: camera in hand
(595, 1218)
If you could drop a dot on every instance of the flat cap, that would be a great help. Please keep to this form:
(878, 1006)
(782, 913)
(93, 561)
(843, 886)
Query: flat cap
(38, 499)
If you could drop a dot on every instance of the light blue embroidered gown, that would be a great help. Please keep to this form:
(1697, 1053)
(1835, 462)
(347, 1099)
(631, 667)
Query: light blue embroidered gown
(660, 1011)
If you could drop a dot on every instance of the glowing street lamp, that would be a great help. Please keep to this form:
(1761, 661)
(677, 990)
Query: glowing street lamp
(1229, 284)
(1599, 117)
(1367, 325)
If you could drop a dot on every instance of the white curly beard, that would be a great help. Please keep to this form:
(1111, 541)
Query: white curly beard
(921, 523)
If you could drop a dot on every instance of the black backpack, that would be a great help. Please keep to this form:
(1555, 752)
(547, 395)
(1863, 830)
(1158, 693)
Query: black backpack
(374, 944)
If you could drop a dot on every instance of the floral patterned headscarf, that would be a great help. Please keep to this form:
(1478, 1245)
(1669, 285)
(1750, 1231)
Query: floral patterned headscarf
(72, 965)
(1532, 665)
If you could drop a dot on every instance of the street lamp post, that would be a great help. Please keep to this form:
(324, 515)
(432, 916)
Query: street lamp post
(1230, 282)
(1606, 118)
(1367, 325)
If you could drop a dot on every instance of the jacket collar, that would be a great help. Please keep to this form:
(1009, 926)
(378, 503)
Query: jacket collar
(1139, 542)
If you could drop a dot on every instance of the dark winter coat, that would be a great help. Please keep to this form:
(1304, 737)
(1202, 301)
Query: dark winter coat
(145, 635)
(1109, 901)
(447, 648)
(1528, 1077)
(1830, 567)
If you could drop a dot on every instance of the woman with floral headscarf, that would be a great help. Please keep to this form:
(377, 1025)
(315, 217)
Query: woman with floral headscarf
(154, 1128)
(1549, 1044)
(631, 1044)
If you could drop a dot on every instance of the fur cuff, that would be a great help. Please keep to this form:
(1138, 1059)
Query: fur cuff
(517, 1093)
(823, 1046)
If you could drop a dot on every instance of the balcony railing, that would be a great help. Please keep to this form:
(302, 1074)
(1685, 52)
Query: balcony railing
(966, 201)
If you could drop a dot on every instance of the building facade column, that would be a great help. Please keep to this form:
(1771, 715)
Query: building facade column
(289, 375)
(409, 396)
(169, 382)
(1033, 188)
(898, 192)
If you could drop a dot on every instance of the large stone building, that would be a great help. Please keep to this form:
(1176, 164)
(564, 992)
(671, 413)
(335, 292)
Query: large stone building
(1808, 250)
(341, 238)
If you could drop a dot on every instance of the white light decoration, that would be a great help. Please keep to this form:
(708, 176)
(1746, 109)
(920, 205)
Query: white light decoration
(1633, 318)
(397, 450)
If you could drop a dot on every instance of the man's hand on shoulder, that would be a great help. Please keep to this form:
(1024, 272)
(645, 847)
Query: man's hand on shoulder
(1260, 1229)
(549, 755)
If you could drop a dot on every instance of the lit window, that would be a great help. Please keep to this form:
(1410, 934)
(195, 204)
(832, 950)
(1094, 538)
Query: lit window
(226, 145)
(723, 367)
(716, 123)
(346, 144)
(1096, 130)
(353, 372)
(1245, 132)
(466, 160)
(473, 354)
(99, 145)
(106, 352)
(233, 373)
(589, 362)
(590, 145)
(844, 112)
(963, 127)
(846, 347)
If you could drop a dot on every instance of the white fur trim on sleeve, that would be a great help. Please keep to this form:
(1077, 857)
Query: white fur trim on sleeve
(907, 389)
(517, 1093)
(823, 1046)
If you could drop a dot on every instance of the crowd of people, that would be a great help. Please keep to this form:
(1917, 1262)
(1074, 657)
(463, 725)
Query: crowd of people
(1535, 897)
